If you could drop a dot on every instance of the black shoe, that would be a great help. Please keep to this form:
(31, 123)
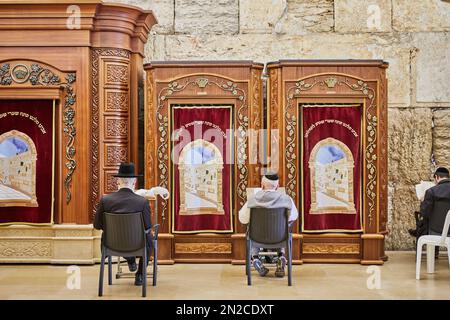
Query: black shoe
(260, 267)
(138, 280)
(132, 266)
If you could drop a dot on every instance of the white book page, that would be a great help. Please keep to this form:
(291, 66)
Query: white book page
(422, 187)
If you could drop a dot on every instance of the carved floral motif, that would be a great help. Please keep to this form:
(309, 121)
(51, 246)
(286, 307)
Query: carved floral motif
(116, 154)
(117, 101)
(224, 248)
(116, 128)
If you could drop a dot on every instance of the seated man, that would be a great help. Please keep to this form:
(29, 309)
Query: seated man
(436, 203)
(269, 197)
(126, 201)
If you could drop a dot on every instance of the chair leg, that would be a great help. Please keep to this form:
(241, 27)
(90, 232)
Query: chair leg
(248, 263)
(448, 254)
(155, 262)
(110, 270)
(102, 269)
(418, 260)
(430, 258)
(290, 264)
(144, 274)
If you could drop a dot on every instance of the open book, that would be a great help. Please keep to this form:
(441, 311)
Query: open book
(422, 187)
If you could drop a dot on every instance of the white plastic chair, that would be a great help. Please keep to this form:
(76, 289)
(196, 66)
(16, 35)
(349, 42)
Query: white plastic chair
(432, 242)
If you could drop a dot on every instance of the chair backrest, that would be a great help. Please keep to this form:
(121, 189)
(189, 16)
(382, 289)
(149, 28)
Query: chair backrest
(124, 232)
(446, 227)
(436, 220)
(268, 226)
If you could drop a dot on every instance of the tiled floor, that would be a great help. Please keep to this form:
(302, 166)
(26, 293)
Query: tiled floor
(223, 281)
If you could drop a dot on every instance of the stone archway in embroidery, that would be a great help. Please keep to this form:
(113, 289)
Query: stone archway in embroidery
(200, 178)
(18, 158)
(331, 166)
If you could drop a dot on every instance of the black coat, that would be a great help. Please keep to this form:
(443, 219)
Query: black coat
(435, 206)
(122, 201)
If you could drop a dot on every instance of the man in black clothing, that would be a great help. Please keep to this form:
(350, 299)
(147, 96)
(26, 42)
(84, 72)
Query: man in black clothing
(126, 201)
(435, 206)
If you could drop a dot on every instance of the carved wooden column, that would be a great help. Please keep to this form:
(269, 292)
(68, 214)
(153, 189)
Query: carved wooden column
(116, 75)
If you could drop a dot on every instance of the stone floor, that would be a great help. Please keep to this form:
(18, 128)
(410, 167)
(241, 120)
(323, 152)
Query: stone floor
(223, 281)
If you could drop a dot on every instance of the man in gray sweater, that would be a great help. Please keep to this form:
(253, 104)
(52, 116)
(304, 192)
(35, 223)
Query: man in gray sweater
(269, 197)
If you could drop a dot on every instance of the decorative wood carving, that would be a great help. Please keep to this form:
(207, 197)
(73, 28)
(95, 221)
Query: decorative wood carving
(116, 73)
(331, 248)
(116, 128)
(113, 103)
(117, 101)
(115, 155)
(199, 248)
(110, 182)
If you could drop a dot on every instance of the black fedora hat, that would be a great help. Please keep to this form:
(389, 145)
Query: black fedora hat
(126, 170)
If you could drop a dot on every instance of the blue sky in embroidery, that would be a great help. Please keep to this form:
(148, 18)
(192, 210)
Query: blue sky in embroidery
(12, 146)
(329, 154)
(199, 155)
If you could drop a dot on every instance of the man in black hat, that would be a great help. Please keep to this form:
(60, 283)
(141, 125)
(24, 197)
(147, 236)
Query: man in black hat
(434, 206)
(126, 201)
(269, 197)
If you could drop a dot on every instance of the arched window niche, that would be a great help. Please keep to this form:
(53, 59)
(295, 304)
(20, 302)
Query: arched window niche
(200, 176)
(331, 166)
(18, 158)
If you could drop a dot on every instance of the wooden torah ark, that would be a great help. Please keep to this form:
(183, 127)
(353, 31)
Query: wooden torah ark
(340, 81)
(363, 82)
(236, 83)
(88, 57)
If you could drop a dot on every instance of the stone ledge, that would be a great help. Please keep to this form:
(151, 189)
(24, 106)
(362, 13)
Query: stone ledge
(57, 244)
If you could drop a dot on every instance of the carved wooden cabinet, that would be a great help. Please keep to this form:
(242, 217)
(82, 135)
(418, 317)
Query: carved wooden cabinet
(87, 56)
(99, 65)
(170, 85)
(294, 84)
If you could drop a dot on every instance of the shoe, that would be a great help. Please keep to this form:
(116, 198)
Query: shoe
(132, 266)
(281, 264)
(138, 280)
(260, 267)
(412, 232)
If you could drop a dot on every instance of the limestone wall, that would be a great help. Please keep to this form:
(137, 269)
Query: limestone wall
(413, 36)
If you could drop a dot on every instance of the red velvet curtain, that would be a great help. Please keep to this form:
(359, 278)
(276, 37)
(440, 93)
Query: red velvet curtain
(33, 118)
(209, 125)
(335, 131)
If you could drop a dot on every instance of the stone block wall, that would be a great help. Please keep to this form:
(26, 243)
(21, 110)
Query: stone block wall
(413, 36)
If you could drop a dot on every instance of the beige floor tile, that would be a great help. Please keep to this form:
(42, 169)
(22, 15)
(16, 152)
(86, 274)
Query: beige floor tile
(223, 281)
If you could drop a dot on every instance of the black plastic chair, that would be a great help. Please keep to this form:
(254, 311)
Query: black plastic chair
(269, 228)
(124, 235)
(154, 239)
